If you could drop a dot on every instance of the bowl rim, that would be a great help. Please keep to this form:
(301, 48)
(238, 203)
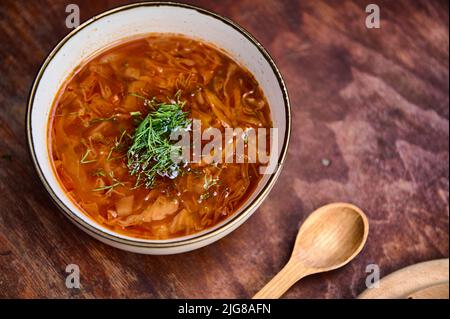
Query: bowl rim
(138, 242)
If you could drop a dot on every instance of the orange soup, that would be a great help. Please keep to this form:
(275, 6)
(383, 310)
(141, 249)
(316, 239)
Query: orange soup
(114, 165)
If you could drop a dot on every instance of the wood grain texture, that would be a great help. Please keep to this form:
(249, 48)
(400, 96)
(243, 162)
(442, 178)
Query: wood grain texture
(408, 281)
(433, 292)
(373, 102)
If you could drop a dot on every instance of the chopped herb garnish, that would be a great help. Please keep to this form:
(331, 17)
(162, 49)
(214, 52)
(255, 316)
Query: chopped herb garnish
(109, 188)
(205, 196)
(99, 173)
(137, 95)
(116, 157)
(147, 102)
(84, 159)
(135, 113)
(210, 182)
(102, 119)
(111, 150)
(151, 151)
(118, 145)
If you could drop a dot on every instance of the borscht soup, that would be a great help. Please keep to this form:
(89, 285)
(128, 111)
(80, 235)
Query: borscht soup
(110, 136)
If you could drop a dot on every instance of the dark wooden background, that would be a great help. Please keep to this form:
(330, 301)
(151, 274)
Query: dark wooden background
(373, 102)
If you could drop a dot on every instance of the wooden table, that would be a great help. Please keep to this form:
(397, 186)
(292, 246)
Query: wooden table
(374, 102)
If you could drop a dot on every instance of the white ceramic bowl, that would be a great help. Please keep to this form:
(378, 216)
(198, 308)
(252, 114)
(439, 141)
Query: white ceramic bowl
(130, 21)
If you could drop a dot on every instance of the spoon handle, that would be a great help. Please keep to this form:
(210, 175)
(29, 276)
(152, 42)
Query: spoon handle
(288, 276)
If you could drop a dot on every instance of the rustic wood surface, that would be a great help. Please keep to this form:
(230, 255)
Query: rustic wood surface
(375, 103)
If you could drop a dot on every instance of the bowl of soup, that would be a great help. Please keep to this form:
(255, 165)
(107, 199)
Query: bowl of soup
(158, 128)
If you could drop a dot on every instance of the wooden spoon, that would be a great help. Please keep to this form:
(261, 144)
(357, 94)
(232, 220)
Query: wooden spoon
(434, 292)
(328, 239)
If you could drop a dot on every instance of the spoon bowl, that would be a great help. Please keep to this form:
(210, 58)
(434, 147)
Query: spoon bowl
(331, 237)
(328, 239)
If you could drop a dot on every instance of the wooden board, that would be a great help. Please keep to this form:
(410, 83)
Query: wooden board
(421, 280)
(439, 291)
(372, 101)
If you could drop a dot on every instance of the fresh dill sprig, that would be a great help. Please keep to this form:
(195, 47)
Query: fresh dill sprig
(210, 182)
(205, 196)
(137, 95)
(118, 145)
(147, 102)
(99, 173)
(151, 152)
(84, 159)
(109, 188)
(102, 119)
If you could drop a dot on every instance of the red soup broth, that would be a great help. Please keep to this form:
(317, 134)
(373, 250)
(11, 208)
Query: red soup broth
(92, 113)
